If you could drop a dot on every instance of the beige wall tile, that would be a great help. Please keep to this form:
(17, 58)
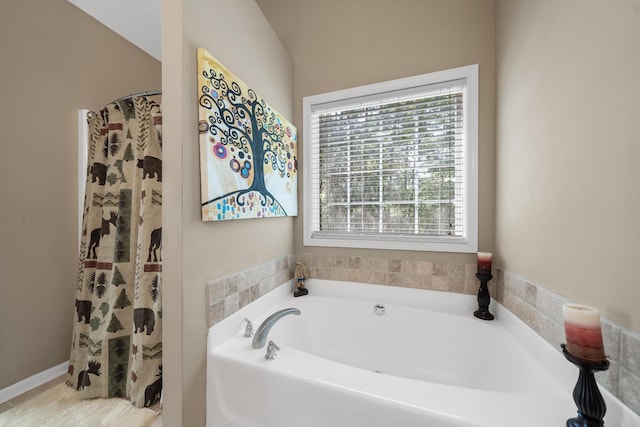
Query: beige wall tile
(629, 388)
(630, 351)
(216, 291)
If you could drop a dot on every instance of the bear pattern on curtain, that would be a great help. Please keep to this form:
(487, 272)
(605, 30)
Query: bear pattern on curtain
(116, 348)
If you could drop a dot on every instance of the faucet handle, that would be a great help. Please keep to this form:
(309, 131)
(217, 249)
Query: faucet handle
(248, 330)
(271, 351)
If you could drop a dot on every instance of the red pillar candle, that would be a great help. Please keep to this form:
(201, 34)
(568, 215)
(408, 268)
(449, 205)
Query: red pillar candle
(484, 262)
(583, 332)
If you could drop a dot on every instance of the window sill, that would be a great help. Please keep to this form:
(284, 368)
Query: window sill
(404, 243)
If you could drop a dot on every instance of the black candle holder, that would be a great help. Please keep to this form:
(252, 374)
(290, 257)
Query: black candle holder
(483, 298)
(590, 403)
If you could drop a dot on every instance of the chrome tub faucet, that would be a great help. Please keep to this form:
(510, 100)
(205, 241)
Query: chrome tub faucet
(260, 336)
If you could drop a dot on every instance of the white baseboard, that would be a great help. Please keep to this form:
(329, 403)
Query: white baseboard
(32, 382)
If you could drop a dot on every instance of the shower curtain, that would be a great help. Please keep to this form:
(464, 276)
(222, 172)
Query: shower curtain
(116, 348)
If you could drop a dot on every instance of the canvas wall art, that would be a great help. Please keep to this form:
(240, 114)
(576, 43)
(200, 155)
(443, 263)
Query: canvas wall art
(248, 151)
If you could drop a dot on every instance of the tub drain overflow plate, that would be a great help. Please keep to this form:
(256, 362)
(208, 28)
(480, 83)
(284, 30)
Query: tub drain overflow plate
(379, 309)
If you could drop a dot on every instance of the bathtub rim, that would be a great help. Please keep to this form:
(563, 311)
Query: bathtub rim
(555, 363)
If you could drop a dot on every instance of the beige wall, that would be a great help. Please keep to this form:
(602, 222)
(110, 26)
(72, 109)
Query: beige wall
(568, 126)
(55, 60)
(336, 44)
(195, 252)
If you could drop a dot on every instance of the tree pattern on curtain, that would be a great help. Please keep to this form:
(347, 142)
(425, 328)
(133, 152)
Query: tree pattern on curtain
(116, 348)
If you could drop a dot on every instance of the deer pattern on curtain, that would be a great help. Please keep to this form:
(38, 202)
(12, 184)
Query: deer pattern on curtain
(116, 348)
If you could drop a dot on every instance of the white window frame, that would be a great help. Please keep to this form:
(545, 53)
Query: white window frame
(465, 244)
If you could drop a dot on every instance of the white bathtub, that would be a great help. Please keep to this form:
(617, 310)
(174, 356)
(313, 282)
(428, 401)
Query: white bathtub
(426, 362)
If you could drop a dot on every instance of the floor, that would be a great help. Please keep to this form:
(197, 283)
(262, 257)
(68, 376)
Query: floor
(10, 404)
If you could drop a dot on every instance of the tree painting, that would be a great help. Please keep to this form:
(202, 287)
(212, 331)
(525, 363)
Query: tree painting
(248, 151)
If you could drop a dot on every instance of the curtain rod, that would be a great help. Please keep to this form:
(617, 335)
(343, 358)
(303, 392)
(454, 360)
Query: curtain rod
(148, 93)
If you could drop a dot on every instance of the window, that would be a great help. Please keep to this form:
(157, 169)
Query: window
(393, 165)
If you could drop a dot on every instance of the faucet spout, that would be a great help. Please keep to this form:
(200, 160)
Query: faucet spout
(260, 337)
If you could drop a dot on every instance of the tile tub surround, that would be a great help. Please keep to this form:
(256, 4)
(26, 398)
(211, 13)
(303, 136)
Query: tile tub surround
(536, 306)
(438, 276)
(541, 310)
(229, 294)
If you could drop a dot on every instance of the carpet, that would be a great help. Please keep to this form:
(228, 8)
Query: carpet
(61, 406)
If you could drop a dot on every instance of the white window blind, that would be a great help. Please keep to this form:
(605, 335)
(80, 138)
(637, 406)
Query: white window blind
(390, 166)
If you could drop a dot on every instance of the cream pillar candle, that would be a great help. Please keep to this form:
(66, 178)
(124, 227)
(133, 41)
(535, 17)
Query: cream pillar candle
(484, 262)
(583, 332)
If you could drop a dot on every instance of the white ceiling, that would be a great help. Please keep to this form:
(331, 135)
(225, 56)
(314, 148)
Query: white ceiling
(136, 20)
